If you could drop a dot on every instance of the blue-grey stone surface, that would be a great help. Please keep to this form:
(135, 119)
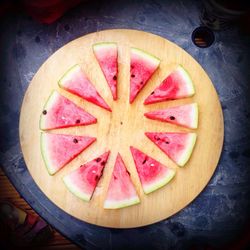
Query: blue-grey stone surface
(220, 213)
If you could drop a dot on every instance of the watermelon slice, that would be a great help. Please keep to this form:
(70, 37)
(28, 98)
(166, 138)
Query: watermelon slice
(121, 191)
(76, 82)
(185, 115)
(106, 55)
(82, 181)
(58, 150)
(178, 146)
(142, 67)
(60, 112)
(153, 175)
(176, 85)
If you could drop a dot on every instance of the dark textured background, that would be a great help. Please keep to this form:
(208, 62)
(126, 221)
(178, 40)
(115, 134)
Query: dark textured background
(220, 214)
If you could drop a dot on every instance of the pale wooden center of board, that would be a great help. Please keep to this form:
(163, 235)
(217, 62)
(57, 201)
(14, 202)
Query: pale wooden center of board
(122, 128)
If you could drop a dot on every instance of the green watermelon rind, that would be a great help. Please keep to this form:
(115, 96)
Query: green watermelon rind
(185, 157)
(188, 80)
(159, 183)
(121, 204)
(101, 45)
(47, 162)
(155, 60)
(74, 190)
(67, 75)
(49, 103)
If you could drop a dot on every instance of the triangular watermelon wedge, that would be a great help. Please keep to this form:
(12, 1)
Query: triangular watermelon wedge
(106, 54)
(82, 181)
(76, 82)
(58, 150)
(60, 112)
(153, 175)
(121, 191)
(177, 146)
(176, 85)
(185, 115)
(142, 67)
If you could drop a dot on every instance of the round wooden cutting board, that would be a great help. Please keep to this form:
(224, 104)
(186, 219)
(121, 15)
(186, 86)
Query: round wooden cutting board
(122, 128)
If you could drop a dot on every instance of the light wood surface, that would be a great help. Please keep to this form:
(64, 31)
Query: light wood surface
(123, 127)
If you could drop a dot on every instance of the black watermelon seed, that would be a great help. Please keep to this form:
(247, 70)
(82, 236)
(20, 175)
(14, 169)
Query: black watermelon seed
(152, 93)
(128, 172)
(167, 142)
(103, 163)
(144, 160)
(75, 140)
(156, 138)
(172, 117)
(77, 121)
(132, 75)
(114, 77)
(97, 177)
(98, 159)
(141, 82)
(44, 112)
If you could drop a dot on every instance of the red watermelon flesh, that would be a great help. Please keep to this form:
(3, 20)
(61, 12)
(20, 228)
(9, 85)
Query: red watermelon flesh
(106, 55)
(142, 67)
(121, 191)
(60, 112)
(82, 181)
(185, 115)
(153, 175)
(175, 86)
(76, 82)
(58, 150)
(177, 146)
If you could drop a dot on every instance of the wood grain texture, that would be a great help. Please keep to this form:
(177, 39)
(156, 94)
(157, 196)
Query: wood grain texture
(123, 127)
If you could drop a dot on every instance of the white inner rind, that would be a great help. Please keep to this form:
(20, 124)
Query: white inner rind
(51, 100)
(99, 46)
(195, 115)
(154, 60)
(112, 204)
(48, 163)
(68, 75)
(75, 190)
(159, 183)
(188, 80)
(189, 149)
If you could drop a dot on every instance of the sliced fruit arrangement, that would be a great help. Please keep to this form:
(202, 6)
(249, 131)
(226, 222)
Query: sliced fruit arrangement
(153, 175)
(177, 146)
(142, 67)
(58, 150)
(83, 181)
(76, 82)
(121, 191)
(106, 54)
(176, 85)
(184, 115)
(60, 112)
